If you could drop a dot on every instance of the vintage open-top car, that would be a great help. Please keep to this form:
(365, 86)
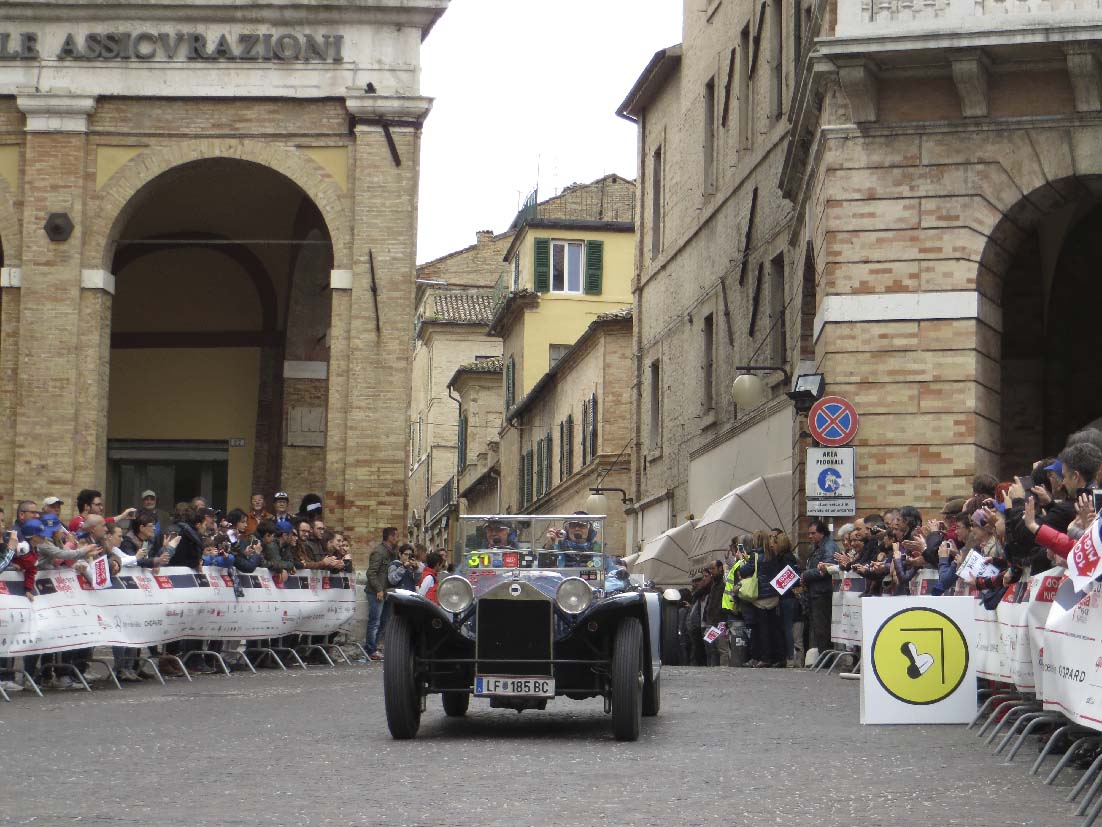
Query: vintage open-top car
(532, 613)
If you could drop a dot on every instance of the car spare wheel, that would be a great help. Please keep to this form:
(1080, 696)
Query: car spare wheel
(455, 703)
(400, 694)
(627, 680)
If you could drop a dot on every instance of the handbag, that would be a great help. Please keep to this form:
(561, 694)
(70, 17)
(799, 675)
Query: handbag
(748, 586)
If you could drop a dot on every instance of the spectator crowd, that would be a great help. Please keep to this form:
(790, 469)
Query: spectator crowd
(145, 536)
(986, 539)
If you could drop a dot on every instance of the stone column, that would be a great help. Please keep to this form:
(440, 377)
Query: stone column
(54, 423)
(372, 321)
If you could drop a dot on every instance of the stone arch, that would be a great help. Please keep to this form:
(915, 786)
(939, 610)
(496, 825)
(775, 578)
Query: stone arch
(114, 201)
(1033, 258)
(11, 233)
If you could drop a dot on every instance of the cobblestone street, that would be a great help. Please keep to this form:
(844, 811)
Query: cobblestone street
(730, 746)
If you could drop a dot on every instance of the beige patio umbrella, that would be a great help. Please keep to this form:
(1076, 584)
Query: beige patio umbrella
(665, 559)
(762, 503)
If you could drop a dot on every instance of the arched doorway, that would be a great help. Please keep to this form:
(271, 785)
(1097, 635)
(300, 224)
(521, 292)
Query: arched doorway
(219, 337)
(1050, 298)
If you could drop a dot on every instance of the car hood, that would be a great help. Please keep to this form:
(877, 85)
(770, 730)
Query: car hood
(482, 580)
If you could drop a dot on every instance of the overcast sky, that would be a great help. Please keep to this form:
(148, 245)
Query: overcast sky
(523, 86)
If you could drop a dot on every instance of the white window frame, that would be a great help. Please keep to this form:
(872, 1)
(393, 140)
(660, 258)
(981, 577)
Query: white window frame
(565, 243)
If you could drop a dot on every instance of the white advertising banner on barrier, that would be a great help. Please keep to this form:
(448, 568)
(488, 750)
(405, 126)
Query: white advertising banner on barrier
(1070, 656)
(146, 609)
(915, 665)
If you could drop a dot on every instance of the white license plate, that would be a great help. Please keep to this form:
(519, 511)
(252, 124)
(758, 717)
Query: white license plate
(487, 685)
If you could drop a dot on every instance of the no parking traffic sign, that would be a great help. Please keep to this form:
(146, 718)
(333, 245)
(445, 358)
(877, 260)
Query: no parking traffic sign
(832, 421)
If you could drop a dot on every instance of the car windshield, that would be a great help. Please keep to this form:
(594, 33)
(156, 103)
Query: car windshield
(573, 544)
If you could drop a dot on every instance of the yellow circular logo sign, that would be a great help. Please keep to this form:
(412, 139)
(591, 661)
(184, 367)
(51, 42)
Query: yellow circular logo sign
(919, 656)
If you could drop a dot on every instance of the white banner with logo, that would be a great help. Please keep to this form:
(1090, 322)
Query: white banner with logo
(145, 609)
(1070, 658)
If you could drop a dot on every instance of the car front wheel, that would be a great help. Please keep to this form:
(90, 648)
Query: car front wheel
(627, 680)
(400, 694)
(455, 703)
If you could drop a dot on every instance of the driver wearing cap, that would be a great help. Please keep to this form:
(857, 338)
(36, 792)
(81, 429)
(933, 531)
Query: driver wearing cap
(579, 535)
(499, 534)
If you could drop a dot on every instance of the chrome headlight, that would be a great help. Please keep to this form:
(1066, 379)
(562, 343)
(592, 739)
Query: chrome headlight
(573, 595)
(455, 594)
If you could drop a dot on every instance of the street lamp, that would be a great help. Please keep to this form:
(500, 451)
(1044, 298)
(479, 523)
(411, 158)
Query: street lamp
(598, 502)
(749, 390)
(807, 390)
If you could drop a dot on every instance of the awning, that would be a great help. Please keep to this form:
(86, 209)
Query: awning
(665, 559)
(762, 503)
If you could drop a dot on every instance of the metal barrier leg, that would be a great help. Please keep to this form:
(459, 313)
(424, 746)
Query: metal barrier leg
(822, 656)
(4, 695)
(265, 653)
(838, 661)
(1065, 759)
(1009, 717)
(179, 663)
(1093, 815)
(337, 651)
(314, 647)
(69, 667)
(1022, 728)
(152, 663)
(1052, 740)
(290, 653)
(998, 707)
(1085, 779)
(27, 679)
(827, 657)
(359, 647)
(216, 655)
(991, 701)
(1034, 719)
(1093, 791)
(239, 657)
(110, 670)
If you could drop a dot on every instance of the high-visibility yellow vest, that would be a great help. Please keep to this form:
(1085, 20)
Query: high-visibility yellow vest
(730, 587)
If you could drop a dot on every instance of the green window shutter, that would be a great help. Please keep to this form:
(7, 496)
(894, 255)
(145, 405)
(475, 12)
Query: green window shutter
(562, 451)
(593, 426)
(528, 477)
(569, 444)
(594, 267)
(516, 271)
(539, 469)
(585, 434)
(510, 383)
(548, 447)
(542, 264)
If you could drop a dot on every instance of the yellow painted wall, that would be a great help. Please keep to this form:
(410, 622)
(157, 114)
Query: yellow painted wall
(562, 317)
(186, 393)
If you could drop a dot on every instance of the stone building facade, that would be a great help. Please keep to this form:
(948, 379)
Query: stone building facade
(481, 399)
(575, 427)
(454, 309)
(924, 217)
(711, 290)
(207, 218)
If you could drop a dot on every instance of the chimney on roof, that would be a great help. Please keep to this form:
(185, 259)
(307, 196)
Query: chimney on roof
(484, 236)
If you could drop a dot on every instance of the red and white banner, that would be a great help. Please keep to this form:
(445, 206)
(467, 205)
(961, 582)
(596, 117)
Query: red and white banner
(785, 580)
(1085, 559)
(140, 608)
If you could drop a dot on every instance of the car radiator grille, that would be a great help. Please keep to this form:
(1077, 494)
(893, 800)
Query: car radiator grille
(514, 629)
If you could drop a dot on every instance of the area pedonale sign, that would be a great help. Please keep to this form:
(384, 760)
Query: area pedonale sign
(176, 46)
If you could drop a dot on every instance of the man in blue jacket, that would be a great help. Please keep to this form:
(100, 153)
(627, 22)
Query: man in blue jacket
(816, 579)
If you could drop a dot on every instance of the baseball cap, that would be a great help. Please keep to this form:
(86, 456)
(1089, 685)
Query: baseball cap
(33, 528)
(149, 493)
(953, 506)
(53, 501)
(1056, 466)
(281, 495)
(50, 524)
(284, 526)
